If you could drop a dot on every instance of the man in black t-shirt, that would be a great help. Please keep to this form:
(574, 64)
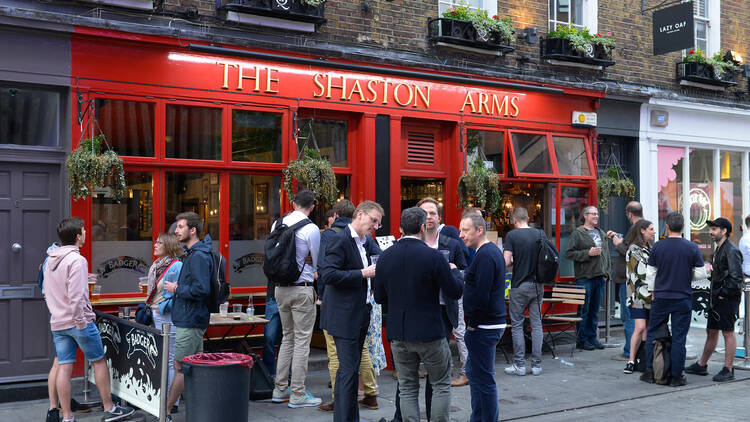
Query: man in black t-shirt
(521, 251)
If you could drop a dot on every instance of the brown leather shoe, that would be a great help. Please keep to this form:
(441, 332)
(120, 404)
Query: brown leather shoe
(459, 381)
(369, 401)
(326, 407)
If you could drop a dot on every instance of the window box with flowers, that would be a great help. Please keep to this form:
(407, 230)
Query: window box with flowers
(295, 15)
(571, 46)
(698, 69)
(466, 29)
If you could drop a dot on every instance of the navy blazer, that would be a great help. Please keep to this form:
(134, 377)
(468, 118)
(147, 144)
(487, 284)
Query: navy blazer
(456, 257)
(407, 283)
(342, 313)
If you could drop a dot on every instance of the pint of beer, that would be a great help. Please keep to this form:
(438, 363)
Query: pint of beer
(143, 285)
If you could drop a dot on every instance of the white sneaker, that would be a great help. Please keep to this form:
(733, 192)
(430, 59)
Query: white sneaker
(279, 396)
(515, 370)
(536, 370)
(304, 400)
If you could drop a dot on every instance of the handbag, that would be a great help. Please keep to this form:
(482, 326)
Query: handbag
(143, 314)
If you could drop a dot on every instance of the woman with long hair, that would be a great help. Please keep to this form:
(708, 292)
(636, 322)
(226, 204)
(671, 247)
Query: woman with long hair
(166, 267)
(638, 241)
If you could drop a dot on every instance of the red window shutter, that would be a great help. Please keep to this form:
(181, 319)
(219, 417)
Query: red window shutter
(420, 148)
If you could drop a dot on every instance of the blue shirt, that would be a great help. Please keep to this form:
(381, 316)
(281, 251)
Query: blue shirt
(674, 259)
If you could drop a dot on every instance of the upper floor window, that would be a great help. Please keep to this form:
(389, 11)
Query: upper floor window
(701, 16)
(489, 5)
(578, 13)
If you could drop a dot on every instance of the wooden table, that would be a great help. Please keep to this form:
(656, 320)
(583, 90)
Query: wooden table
(230, 322)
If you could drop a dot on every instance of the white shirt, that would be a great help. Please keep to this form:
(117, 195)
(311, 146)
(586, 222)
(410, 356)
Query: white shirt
(360, 242)
(436, 246)
(307, 241)
(745, 250)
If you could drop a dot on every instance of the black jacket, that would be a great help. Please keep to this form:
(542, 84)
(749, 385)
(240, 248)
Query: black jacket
(459, 259)
(484, 288)
(408, 280)
(726, 276)
(342, 313)
(194, 287)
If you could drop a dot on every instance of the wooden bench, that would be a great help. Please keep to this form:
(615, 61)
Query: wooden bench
(566, 294)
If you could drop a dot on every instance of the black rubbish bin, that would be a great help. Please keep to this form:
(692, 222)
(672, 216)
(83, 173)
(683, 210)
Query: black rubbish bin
(217, 387)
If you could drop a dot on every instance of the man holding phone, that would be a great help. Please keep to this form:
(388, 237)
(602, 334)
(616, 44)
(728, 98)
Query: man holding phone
(589, 251)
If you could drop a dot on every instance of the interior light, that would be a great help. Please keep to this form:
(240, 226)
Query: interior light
(733, 56)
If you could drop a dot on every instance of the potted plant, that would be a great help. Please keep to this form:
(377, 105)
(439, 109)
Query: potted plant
(613, 183)
(463, 25)
(717, 69)
(311, 171)
(574, 44)
(89, 168)
(480, 187)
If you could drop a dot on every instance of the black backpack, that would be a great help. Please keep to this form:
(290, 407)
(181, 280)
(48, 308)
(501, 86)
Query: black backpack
(280, 263)
(548, 260)
(220, 288)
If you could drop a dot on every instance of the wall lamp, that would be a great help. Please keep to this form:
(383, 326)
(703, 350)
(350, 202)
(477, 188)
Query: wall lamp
(530, 35)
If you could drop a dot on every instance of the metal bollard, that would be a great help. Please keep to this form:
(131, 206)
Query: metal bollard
(746, 363)
(166, 329)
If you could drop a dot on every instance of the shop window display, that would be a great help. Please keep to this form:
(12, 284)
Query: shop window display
(670, 162)
(731, 192)
(121, 234)
(701, 166)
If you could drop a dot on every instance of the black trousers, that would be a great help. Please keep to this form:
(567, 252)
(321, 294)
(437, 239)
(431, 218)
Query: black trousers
(428, 386)
(345, 406)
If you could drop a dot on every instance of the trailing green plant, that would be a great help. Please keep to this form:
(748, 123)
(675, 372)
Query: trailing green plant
(579, 38)
(480, 187)
(717, 61)
(89, 168)
(313, 3)
(311, 171)
(613, 184)
(503, 27)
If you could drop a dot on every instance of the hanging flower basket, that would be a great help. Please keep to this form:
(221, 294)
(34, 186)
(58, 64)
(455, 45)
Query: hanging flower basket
(89, 168)
(613, 184)
(479, 188)
(311, 171)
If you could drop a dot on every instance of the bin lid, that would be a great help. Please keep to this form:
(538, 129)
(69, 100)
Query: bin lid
(219, 359)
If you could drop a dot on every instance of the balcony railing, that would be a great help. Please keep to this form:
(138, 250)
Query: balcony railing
(704, 73)
(286, 10)
(454, 32)
(560, 49)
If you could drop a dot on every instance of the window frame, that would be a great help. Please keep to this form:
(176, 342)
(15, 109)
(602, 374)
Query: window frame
(555, 174)
(590, 13)
(489, 5)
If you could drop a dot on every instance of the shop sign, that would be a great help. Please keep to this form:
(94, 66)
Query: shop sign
(700, 208)
(584, 119)
(673, 28)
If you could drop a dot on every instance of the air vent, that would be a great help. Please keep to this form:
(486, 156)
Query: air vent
(421, 148)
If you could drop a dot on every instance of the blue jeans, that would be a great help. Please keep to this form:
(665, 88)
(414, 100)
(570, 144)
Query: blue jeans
(680, 310)
(68, 341)
(480, 368)
(589, 312)
(271, 335)
(627, 323)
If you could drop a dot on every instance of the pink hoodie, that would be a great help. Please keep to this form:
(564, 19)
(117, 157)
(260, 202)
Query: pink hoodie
(66, 289)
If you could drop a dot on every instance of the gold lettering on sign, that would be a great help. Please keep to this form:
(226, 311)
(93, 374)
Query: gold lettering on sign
(319, 85)
(513, 104)
(225, 85)
(372, 91)
(256, 78)
(498, 105)
(470, 101)
(425, 100)
(269, 79)
(342, 87)
(385, 92)
(357, 89)
(396, 97)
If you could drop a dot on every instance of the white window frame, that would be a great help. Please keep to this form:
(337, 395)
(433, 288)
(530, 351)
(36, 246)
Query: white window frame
(713, 26)
(590, 16)
(489, 5)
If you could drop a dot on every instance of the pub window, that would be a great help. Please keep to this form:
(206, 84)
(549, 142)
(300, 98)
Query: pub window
(531, 153)
(196, 192)
(321, 207)
(193, 132)
(254, 204)
(572, 159)
(578, 13)
(489, 5)
(128, 126)
(29, 117)
(256, 136)
(488, 145)
(121, 234)
(331, 137)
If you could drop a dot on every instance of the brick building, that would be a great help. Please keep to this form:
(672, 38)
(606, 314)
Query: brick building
(205, 100)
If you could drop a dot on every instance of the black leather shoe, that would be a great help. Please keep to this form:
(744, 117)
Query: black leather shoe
(678, 381)
(648, 375)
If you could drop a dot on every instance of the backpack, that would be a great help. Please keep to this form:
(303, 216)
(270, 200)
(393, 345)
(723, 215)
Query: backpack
(280, 263)
(220, 288)
(548, 260)
(40, 277)
(662, 362)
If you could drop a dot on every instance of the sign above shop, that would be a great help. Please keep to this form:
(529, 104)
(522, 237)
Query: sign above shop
(673, 28)
(584, 119)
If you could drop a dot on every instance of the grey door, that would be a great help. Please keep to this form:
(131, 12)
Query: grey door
(29, 212)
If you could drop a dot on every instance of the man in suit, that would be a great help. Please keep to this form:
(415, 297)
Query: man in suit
(346, 311)
(409, 281)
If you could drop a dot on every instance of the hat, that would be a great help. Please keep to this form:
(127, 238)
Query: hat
(721, 223)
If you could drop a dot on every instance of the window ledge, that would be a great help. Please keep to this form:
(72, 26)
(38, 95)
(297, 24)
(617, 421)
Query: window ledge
(130, 4)
(702, 85)
(555, 62)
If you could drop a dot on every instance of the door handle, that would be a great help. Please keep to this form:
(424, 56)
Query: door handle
(16, 247)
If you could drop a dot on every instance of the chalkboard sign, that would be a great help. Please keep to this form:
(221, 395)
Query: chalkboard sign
(133, 353)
